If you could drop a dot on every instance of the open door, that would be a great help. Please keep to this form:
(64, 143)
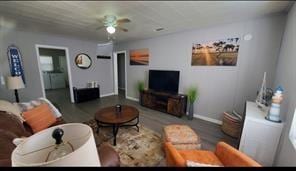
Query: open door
(120, 75)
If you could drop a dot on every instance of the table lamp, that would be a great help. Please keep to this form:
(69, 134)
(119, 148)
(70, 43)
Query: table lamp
(15, 83)
(42, 148)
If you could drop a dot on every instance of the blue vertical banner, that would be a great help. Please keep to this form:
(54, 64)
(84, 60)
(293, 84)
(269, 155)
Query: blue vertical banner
(15, 62)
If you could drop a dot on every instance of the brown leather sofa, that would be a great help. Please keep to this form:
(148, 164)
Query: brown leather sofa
(11, 127)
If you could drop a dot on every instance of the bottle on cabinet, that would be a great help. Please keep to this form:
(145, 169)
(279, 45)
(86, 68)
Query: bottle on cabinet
(274, 111)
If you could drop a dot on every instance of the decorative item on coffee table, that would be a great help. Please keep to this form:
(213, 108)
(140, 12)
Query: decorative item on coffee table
(118, 108)
(192, 96)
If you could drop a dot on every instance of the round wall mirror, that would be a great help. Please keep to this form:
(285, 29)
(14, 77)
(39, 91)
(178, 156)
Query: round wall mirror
(83, 61)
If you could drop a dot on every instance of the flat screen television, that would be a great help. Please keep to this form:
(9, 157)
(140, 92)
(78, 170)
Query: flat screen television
(164, 81)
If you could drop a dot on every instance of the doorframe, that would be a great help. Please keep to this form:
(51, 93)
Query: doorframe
(37, 46)
(115, 67)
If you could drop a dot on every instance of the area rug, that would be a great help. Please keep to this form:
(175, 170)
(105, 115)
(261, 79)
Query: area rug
(143, 148)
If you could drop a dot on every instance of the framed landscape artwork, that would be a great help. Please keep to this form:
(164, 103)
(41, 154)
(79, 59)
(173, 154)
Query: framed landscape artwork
(139, 57)
(216, 53)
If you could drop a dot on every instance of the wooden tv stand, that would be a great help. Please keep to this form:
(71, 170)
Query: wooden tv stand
(175, 104)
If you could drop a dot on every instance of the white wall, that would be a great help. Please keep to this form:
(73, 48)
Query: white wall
(101, 70)
(222, 88)
(286, 76)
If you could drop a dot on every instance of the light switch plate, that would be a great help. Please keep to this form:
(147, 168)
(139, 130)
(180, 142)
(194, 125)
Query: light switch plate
(2, 80)
(248, 37)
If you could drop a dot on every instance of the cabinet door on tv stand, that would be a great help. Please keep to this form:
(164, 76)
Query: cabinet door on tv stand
(174, 107)
(148, 100)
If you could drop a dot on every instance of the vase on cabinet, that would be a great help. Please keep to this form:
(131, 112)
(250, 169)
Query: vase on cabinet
(190, 112)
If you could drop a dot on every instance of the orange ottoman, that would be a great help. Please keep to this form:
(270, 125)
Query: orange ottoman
(182, 137)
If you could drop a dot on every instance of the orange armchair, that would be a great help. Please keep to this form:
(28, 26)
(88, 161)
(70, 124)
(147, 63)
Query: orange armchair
(224, 155)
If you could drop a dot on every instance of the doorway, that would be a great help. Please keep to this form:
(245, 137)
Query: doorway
(54, 68)
(120, 76)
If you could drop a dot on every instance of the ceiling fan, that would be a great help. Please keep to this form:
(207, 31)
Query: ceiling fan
(111, 23)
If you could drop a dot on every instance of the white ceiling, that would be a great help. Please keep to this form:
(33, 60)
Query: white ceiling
(78, 18)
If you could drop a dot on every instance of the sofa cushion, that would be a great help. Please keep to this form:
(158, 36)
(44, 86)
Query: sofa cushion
(11, 108)
(6, 146)
(39, 118)
(108, 156)
(201, 156)
(190, 163)
(12, 124)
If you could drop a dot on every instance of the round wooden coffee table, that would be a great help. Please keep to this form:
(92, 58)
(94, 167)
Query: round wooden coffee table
(108, 117)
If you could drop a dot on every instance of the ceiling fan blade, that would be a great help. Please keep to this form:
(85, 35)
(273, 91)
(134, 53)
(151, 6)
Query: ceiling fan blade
(98, 28)
(100, 20)
(123, 29)
(123, 20)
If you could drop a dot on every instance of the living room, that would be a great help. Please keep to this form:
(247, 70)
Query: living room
(160, 38)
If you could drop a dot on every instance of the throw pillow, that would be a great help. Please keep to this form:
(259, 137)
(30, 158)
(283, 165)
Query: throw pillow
(25, 106)
(36, 103)
(10, 108)
(190, 163)
(39, 118)
(55, 111)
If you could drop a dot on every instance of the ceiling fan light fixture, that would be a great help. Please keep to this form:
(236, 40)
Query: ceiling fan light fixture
(110, 29)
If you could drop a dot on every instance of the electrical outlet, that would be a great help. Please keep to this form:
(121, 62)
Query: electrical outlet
(2, 80)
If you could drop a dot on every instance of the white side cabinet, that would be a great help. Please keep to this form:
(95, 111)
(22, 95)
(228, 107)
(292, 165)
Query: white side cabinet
(260, 137)
(46, 80)
(57, 80)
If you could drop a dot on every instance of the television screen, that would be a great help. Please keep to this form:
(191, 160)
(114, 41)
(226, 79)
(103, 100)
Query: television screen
(164, 81)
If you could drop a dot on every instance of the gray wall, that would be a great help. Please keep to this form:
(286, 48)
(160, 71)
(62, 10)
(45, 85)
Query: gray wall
(221, 88)
(101, 70)
(121, 70)
(107, 50)
(286, 76)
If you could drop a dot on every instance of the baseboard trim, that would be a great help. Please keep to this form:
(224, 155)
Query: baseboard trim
(132, 98)
(105, 95)
(207, 119)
